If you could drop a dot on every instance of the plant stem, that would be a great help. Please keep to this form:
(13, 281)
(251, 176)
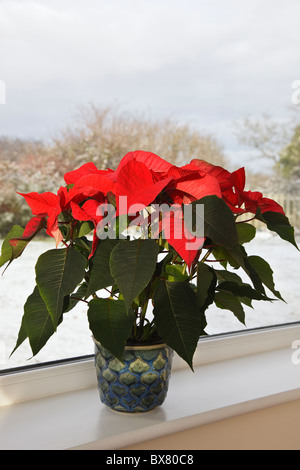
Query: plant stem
(216, 260)
(206, 255)
(245, 221)
(142, 318)
(82, 300)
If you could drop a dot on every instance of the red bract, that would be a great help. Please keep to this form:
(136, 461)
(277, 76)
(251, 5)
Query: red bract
(89, 212)
(135, 182)
(88, 168)
(233, 190)
(141, 179)
(255, 200)
(193, 186)
(185, 183)
(51, 205)
(175, 232)
(41, 204)
(32, 228)
(152, 161)
(93, 185)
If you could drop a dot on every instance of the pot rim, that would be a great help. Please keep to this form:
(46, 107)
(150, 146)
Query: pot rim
(137, 347)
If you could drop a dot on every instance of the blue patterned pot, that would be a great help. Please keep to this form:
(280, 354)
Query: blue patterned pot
(140, 383)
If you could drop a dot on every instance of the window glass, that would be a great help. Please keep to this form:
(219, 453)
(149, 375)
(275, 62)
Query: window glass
(73, 336)
(282, 259)
(90, 81)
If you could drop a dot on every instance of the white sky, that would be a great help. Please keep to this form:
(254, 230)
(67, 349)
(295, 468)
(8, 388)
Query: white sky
(204, 62)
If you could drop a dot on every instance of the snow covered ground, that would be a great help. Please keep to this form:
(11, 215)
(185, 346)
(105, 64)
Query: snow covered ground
(74, 338)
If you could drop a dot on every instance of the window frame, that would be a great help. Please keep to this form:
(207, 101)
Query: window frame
(48, 379)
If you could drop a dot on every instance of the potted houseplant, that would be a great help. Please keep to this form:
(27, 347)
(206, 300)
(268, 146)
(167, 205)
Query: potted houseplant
(138, 246)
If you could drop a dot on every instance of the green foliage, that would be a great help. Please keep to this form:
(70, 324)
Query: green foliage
(132, 265)
(206, 285)
(100, 275)
(133, 273)
(37, 323)
(219, 223)
(7, 250)
(58, 273)
(280, 224)
(111, 323)
(177, 317)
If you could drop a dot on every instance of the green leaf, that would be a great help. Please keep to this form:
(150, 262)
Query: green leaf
(71, 301)
(58, 272)
(223, 256)
(246, 233)
(237, 258)
(265, 272)
(174, 273)
(100, 275)
(206, 284)
(219, 222)
(224, 275)
(110, 324)
(7, 252)
(242, 290)
(228, 301)
(132, 265)
(241, 258)
(36, 324)
(280, 224)
(83, 228)
(246, 301)
(177, 317)
(160, 267)
(83, 245)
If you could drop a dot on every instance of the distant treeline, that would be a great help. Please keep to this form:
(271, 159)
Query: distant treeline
(101, 135)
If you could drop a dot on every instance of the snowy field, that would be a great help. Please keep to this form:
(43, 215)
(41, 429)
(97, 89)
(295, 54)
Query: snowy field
(74, 338)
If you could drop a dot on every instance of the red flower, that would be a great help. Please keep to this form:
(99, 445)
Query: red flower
(255, 200)
(93, 185)
(141, 179)
(136, 182)
(175, 232)
(233, 190)
(88, 168)
(51, 205)
(153, 162)
(33, 227)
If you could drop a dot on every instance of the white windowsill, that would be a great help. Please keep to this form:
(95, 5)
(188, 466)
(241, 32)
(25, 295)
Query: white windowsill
(59, 407)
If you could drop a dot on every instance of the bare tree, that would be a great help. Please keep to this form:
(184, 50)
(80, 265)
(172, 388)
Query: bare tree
(265, 135)
(101, 135)
(278, 142)
(105, 135)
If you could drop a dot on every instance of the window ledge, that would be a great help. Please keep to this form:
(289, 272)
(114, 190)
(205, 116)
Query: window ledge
(76, 419)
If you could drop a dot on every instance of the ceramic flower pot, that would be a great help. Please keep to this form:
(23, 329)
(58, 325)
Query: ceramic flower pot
(140, 384)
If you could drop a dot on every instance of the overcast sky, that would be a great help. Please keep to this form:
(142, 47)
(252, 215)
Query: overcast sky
(204, 62)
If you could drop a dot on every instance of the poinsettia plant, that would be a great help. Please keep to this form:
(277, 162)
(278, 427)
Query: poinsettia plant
(148, 247)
